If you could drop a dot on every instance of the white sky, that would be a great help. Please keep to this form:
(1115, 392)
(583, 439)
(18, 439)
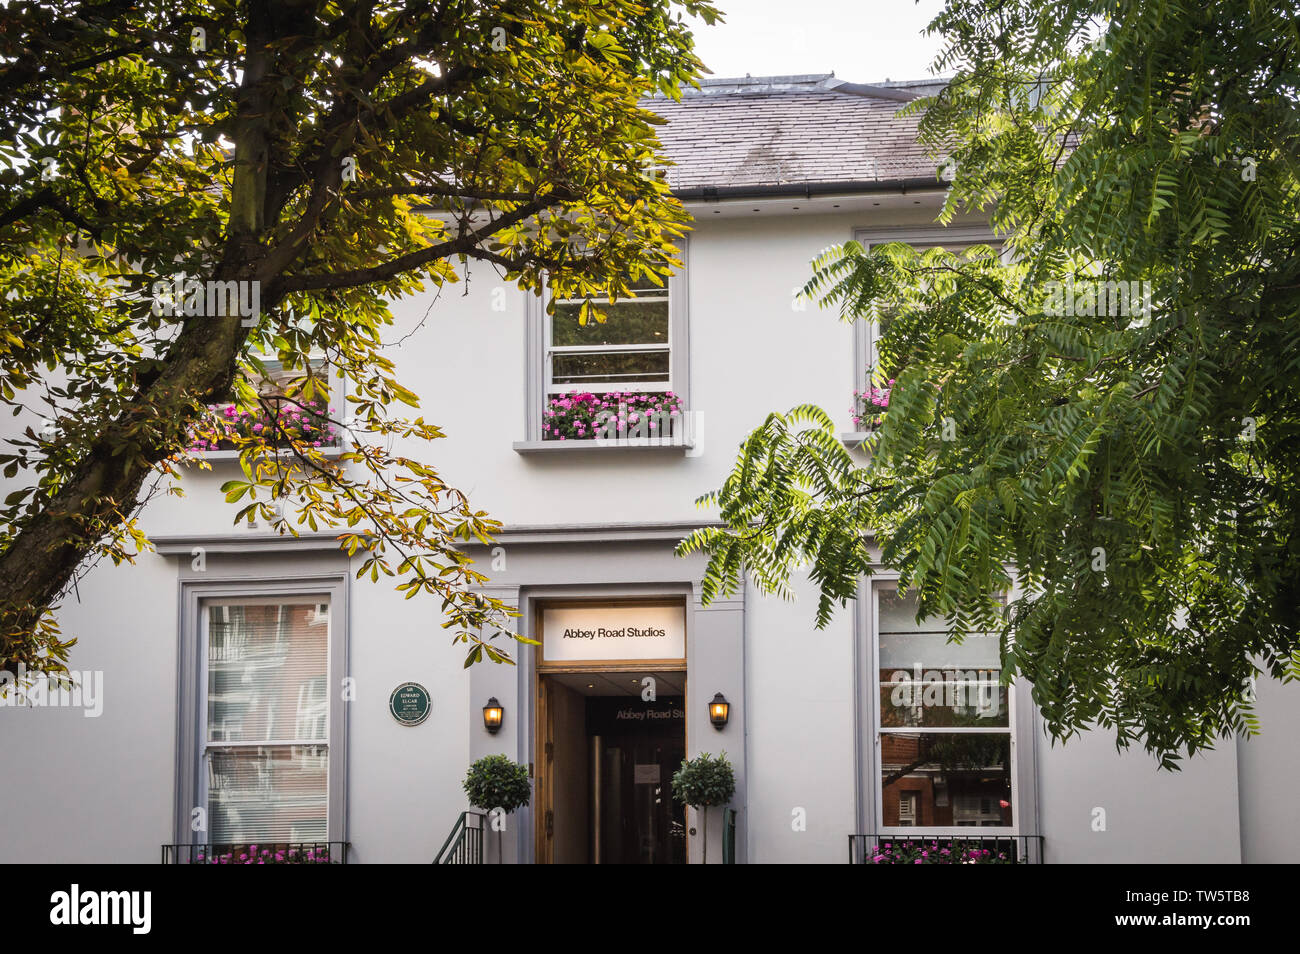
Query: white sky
(862, 41)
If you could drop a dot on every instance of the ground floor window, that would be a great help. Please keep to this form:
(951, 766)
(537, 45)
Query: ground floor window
(265, 718)
(944, 726)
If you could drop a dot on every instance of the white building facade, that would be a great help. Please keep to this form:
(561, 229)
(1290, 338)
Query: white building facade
(251, 683)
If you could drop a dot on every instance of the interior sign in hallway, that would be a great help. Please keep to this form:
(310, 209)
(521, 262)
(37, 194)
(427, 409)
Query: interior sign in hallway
(616, 631)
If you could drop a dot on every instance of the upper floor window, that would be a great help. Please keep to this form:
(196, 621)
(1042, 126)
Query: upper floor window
(868, 332)
(627, 377)
(279, 418)
(630, 351)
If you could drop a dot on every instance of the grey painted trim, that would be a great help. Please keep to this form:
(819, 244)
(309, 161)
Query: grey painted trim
(679, 309)
(855, 440)
(923, 234)
(861, 765)
(189, 721)
(534, 367)
(591, 533)
(184, 544)
(218, 456)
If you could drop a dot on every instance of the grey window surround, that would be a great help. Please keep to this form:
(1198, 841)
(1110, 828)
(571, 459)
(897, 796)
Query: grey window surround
(1024, 731)
(535, 383)
(194, 589)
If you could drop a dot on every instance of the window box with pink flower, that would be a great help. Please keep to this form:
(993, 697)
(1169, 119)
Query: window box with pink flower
(581, 420)
(869, 407)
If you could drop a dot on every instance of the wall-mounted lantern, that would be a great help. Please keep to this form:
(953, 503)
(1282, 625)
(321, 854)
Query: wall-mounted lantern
(493, 713)
(719, 710)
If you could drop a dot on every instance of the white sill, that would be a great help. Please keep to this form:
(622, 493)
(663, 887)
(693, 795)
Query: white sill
(858, 440)
(626, 444)
(329, 453)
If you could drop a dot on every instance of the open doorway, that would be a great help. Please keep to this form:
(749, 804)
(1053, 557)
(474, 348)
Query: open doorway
(610, 741)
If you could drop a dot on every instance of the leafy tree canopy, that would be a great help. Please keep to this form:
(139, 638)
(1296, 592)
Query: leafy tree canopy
(1118, 459)
(329, 156)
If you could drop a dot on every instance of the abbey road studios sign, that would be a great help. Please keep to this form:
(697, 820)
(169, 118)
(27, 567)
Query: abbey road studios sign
(579, 634)
(409, 703)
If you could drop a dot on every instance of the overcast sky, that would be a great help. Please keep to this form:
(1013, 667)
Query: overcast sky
(862, 41)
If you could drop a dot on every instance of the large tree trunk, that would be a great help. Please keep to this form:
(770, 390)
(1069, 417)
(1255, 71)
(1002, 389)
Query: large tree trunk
(199, 365)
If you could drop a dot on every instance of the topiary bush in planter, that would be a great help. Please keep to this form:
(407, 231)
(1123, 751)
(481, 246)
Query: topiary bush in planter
(495, 781)
(704, 781)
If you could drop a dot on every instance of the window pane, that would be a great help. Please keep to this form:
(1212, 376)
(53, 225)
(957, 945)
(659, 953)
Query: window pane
(267, 793)
(627, 322)
(936, 779)
(609, 367)
(267, 668)
(927, 681)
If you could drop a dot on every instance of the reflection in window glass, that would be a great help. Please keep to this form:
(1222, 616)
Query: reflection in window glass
(945, 723)
(267, 720)
(939, 780)
(629, 351)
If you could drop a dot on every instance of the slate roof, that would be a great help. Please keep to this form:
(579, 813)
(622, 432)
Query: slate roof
(756, 132)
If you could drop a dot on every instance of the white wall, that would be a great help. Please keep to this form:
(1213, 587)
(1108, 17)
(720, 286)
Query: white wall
(100, 789)
(800, 730)
(1269, 771)
(1150, 815)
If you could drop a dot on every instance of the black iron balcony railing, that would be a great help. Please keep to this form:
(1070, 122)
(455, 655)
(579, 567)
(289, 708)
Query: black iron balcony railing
(946, 849)
(258, 853)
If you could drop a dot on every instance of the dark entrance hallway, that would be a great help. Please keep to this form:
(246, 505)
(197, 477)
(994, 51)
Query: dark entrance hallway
(608, 759)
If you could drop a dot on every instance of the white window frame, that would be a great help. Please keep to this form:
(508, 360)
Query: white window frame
(664, 295)
(207, 747)
(874, 586)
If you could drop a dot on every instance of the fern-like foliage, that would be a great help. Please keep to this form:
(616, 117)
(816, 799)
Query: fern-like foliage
(1127, 472)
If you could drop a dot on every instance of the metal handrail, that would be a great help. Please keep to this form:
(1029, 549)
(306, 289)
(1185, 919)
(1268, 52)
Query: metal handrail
(464, 846)
(729, 836)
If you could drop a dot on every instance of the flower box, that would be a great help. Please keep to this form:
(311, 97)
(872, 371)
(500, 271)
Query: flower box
(869, 407)
(614, 416)
(308, 422)
(938, 852)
